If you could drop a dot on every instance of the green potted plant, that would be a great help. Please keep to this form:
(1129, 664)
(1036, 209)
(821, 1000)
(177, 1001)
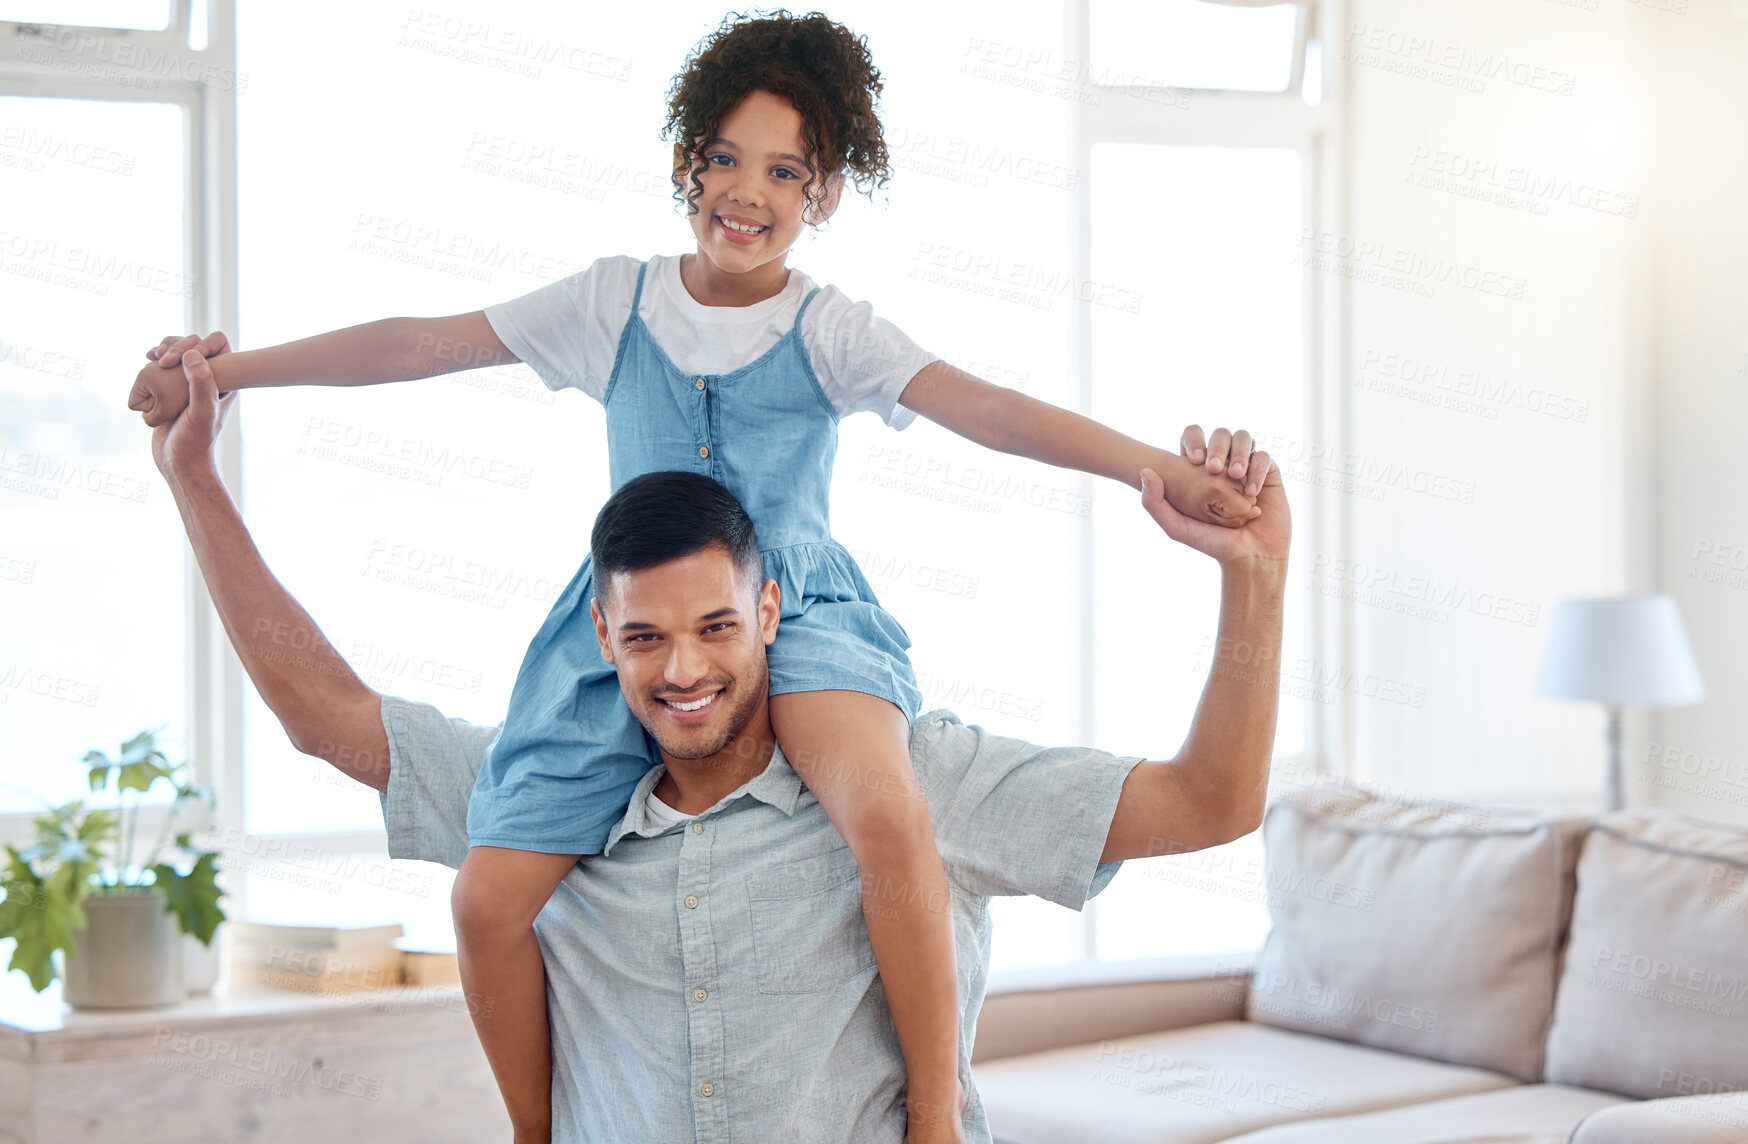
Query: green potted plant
(79, 891)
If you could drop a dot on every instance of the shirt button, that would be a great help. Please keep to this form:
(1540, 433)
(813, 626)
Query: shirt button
(699, 383)
(704, 450)
(691, 902)
(697, 828)
(699, 995)
(706, 1089)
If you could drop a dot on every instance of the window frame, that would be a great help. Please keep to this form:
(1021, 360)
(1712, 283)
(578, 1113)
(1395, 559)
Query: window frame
(1318, 132)
(213, 699)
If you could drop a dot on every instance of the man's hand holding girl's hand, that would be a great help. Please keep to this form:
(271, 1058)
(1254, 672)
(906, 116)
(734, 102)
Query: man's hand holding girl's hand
(160, 391)
(1234, 454)
(183, 445)
(1261, 538)
(1215, 481)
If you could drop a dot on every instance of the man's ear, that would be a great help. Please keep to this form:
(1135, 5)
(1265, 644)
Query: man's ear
(770, 599)
(601, 629)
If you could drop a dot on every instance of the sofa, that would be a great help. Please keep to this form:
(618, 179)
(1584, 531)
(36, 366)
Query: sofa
(1434, 974)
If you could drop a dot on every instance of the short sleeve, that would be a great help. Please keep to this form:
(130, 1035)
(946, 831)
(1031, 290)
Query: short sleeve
(863, 361)
(568, 331)
(432, 761)
(1012, 817)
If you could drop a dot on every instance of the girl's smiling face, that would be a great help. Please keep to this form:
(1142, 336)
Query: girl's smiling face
(752, 207)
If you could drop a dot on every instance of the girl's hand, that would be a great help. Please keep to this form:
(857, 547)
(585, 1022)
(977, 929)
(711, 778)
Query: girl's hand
(1233, 454)
(160, 392)
(168, 353)
(1212, 498)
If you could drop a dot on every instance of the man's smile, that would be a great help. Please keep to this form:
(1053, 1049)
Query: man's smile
(690, 710)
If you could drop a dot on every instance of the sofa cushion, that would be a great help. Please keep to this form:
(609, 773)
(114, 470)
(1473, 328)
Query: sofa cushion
(1424, 927)
(1201, 1085)
(1654, 1000)
(1527, 1114)
(1720, 1118)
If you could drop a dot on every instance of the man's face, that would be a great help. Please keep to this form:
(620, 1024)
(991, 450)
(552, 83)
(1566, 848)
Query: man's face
(688, 640)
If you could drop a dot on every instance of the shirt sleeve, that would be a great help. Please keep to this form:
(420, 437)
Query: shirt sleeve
(432, 761)
(863, 361)
(568, 331)
(1012, 817)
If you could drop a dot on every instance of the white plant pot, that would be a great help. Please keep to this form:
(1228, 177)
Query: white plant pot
(128, 955)
(200, 963)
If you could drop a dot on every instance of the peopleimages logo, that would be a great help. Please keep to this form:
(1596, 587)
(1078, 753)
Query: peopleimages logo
(1371, 583)
(1282, 993)
(1365, 259)
(1464, 390)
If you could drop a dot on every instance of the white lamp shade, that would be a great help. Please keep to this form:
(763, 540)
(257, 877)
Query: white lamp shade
(1632, 650)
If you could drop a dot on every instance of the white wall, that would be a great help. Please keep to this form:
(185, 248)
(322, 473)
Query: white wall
(1494, 205)
(1693, 96)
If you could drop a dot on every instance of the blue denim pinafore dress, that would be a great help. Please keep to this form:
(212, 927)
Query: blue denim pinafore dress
(560, 774)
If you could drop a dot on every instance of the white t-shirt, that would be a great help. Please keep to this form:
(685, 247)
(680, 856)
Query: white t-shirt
(569, 333)
(659, 814)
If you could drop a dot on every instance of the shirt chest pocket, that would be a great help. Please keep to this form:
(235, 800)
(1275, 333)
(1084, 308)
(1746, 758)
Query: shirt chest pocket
(808, 931)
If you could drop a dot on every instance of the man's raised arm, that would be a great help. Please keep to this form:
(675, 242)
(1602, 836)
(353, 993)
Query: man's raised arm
(1215, 789)
(326, 710)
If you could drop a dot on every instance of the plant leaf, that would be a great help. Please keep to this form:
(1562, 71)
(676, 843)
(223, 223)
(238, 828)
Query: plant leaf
(99, 826)
(140, 775)
(39, 919)
(193, 897)
(139, 747)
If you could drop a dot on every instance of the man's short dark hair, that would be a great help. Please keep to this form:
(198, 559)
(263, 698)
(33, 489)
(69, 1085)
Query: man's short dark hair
(666, 516)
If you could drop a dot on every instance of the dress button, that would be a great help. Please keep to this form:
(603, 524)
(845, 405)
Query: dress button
(697, 828)
(699, 383)
(691, 902)
(699, 995)
(704, 450)
(706, 1089)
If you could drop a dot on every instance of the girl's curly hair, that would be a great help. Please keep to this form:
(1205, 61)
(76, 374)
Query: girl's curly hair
(818, 65)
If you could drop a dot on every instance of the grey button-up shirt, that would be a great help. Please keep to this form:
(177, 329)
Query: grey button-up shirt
(712, 981)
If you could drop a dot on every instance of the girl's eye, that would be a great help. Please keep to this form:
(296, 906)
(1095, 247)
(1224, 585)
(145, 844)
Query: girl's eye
(727, 159)
(785, 172)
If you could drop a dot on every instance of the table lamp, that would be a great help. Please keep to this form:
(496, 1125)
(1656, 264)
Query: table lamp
(1632, 649)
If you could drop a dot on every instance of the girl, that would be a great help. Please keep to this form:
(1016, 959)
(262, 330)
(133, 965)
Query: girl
(727, 362)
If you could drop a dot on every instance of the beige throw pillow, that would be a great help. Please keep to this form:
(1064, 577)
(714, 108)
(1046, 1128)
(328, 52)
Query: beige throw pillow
(1423, 927)
(1654, 1000)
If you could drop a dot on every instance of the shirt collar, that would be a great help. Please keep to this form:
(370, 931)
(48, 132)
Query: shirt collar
(777, 785)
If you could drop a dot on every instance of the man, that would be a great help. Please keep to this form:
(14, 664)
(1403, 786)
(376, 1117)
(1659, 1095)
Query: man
(709, 974)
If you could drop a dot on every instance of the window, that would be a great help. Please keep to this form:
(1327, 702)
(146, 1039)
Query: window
(91, 578)
(94, 157)
(143, 14)
(1217, 332)
(1197, 311)
(1193, 43)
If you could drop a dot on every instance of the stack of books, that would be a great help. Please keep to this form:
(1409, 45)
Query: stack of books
(316, 959)
(429, 966)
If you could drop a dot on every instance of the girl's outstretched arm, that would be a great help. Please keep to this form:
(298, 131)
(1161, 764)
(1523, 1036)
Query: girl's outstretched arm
(1011, 422)
(392, 349)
